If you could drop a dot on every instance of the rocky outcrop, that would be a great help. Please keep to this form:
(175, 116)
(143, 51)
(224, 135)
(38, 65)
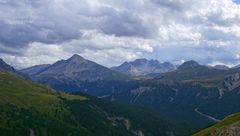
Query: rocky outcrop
(232, 82)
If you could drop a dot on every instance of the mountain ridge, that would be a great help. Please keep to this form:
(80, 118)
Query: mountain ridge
(34, 69)
(78, 74)
(141, 67)
(5, 66)
(176, 94)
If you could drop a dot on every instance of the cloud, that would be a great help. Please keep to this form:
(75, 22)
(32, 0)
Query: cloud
(110, 32)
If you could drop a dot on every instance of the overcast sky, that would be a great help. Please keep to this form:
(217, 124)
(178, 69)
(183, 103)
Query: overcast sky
(113, 31)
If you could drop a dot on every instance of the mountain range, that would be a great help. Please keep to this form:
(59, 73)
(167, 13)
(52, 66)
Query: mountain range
(74, 68)
(73, 74)
(191, 94)
(141, 67)
(79, 74)
(190, 70)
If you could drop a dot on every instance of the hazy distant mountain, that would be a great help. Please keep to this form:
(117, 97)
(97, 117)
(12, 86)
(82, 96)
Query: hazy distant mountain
(143, 67)
(236, 67)
(221, 67)
(5, 67)
(190, 70)
(189, 65)
(35, 69)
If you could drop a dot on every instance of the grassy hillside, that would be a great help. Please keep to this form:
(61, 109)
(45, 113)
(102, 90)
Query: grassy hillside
(230, 126)
(27, 108)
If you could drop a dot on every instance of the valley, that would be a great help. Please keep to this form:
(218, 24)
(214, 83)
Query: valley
(31, 108)
(186, 99)
(119, 68)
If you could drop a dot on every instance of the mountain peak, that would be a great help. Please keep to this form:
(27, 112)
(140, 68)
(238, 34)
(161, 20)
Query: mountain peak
(144, 66)
(76, 69)
(188, 64)
(76, 58)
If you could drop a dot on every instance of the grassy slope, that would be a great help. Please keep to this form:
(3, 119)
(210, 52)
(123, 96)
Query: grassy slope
(29, 108)
(229, 126)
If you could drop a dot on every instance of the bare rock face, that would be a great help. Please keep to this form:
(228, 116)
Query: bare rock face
(141, 67)
(232, 82)
(229, 84)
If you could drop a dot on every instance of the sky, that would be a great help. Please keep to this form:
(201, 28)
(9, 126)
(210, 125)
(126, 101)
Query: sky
(110, 32)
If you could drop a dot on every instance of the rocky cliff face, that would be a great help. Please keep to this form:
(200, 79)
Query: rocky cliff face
(232, 82)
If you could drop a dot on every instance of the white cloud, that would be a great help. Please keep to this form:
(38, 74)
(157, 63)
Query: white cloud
(111, 32)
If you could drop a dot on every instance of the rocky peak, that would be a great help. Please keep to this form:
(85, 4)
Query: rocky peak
(76, 58)
(144, 67)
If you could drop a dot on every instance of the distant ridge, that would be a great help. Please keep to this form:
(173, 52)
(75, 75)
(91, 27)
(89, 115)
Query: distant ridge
(190, 70)
(35, 69)
(141, 67)
(221, 67)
